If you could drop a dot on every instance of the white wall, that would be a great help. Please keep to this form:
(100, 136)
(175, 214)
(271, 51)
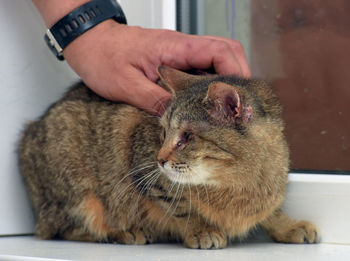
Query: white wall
(150, 13)
(30, 79)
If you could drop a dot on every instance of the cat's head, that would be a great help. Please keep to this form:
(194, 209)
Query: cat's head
(208, 129)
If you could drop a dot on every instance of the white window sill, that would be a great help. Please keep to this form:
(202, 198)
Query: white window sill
(323, 200)
(30, 248)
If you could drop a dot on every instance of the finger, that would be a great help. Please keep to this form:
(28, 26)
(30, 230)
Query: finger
(238, 51)
(139, 91)
(217, 54)
(200, 52)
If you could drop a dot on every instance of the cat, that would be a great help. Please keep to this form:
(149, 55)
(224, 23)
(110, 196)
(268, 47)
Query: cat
(211, 169)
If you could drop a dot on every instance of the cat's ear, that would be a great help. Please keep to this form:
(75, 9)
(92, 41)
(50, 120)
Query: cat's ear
(226, 103)
(175, 80)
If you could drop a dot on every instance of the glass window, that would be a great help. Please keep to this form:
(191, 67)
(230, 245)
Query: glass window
(303, 48)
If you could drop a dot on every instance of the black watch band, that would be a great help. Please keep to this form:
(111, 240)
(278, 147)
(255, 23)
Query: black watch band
(79, 21)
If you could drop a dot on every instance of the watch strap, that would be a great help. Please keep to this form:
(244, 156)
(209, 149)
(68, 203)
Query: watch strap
(81, 20)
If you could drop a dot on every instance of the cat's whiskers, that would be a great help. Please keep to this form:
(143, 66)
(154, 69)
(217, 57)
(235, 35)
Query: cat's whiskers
(141, 167)
(170, 205)
(170, 190)
(207, 195)
(177, 204)
(133, 209)
(154, 179)
(148, 178)
(143, 178)
(120, 194)
(204, 185)
(139, 181)
(154, 175)
(199, 202)
(190, 205)
(137, 168)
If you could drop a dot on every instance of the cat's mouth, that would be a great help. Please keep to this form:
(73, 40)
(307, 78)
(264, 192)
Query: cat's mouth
(184, 174)
(175, 175)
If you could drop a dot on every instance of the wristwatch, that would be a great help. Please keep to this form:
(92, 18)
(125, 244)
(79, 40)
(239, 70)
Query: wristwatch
(79, 21)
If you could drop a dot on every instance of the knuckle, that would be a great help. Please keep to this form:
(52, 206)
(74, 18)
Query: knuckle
(222, 46)
(237, 46)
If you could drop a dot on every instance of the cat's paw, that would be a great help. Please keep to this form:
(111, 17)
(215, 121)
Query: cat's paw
(131, 237)
(302, 232)
(206, 240)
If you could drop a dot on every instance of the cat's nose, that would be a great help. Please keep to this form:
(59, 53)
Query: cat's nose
(162, 162)
(163, 155)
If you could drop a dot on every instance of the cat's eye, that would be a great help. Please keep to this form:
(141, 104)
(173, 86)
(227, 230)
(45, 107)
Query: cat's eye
(186, 137)
(163, 135)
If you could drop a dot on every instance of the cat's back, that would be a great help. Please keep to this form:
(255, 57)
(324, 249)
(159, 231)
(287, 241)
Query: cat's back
(79, 115)
(61, 153)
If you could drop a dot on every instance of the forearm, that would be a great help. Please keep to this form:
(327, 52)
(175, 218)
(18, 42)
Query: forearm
(54, 10)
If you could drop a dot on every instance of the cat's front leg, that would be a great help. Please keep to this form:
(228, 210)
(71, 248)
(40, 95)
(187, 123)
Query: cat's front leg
(205, 237)
(133, 236)
(283, 229)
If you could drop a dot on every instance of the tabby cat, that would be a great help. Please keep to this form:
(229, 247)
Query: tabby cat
(211, 169)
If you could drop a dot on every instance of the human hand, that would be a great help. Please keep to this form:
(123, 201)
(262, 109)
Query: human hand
(120, 62)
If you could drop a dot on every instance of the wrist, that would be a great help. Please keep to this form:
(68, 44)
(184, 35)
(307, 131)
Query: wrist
(54, 10)
(91, 36)
(91, 41)
(78, 21)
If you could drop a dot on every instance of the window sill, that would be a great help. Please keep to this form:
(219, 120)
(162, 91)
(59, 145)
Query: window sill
(323, 200)
(30, 248)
